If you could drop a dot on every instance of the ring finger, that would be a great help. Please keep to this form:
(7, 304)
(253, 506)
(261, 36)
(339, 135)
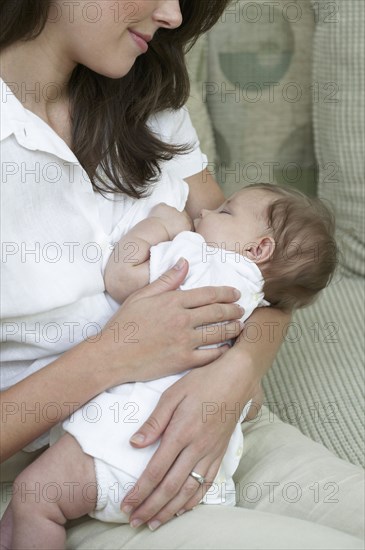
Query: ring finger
(171, 486)
(191, 488)
(217, 491)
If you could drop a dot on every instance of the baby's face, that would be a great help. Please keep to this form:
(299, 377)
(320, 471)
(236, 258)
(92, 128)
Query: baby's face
(237, 223)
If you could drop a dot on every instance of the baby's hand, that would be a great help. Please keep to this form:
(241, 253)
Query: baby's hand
(173, 220)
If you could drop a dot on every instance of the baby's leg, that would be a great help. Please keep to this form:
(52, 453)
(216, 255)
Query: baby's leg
(58, 486)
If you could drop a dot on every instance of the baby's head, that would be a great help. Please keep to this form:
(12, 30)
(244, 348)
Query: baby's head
(288, 235)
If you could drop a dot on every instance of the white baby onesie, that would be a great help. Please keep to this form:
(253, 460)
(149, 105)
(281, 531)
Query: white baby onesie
(103, 426)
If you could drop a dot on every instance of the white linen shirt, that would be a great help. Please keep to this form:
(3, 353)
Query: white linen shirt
(55, 231)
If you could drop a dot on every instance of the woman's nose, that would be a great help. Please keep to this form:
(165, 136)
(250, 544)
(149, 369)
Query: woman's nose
(168, 14)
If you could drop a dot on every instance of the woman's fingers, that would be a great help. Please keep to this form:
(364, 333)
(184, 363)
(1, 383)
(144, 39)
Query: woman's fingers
(169, 326)
(194, 298)
(203, 357)
(209, 486)
(163, 457)
(208, 335)
(174, 491)
(156, 423)
(190, 494)
(198, 297)
(216, 313)
(166, 486)
(154, 473)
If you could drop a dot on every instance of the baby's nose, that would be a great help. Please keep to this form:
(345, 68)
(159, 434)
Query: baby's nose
(203, 212)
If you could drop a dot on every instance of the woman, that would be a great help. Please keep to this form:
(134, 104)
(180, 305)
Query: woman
(90, 84)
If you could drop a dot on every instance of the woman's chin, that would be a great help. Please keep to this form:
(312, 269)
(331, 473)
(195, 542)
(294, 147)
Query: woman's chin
(114, 71)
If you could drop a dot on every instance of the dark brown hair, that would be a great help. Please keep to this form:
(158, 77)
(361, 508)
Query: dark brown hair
(305, 255)
(109, 116)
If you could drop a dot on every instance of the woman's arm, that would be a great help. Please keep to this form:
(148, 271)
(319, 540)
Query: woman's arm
(262, 337)
(204, 192)
(55, 391)
(164, 342)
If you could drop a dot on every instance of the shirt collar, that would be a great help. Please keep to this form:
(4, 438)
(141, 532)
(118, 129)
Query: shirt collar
(29, 129)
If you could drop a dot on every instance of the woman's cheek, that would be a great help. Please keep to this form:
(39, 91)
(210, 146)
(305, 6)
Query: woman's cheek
(136, 11)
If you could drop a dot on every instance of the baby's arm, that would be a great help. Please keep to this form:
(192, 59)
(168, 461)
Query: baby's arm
(128, 267)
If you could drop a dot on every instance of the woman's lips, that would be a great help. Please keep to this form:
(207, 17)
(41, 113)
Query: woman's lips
(139, 41)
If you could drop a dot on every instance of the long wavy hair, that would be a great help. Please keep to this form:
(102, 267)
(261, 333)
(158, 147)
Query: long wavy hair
(110, 134)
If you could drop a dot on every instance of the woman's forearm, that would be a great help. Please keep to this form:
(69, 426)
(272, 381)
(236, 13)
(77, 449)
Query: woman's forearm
(34, 405)
(261, 339)
(204, 192)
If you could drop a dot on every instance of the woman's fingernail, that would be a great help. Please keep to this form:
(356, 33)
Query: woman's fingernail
(237, 294)
(137, 438)
(153, 525)
(180, 264)
(136, 523)
(127, 509)
(180, 512)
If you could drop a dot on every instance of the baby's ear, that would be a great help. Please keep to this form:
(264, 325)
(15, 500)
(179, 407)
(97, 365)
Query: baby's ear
(261, 251)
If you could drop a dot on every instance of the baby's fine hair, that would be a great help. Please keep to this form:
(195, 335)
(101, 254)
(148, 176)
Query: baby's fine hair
(305, 254)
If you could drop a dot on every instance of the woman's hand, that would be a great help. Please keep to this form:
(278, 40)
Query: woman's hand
(155, 334)
(196, 416)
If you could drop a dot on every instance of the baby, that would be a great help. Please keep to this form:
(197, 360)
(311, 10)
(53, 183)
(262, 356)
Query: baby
(265, 240)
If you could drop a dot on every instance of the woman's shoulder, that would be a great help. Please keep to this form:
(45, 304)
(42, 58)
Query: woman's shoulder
(171, 122)
(175, 126)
